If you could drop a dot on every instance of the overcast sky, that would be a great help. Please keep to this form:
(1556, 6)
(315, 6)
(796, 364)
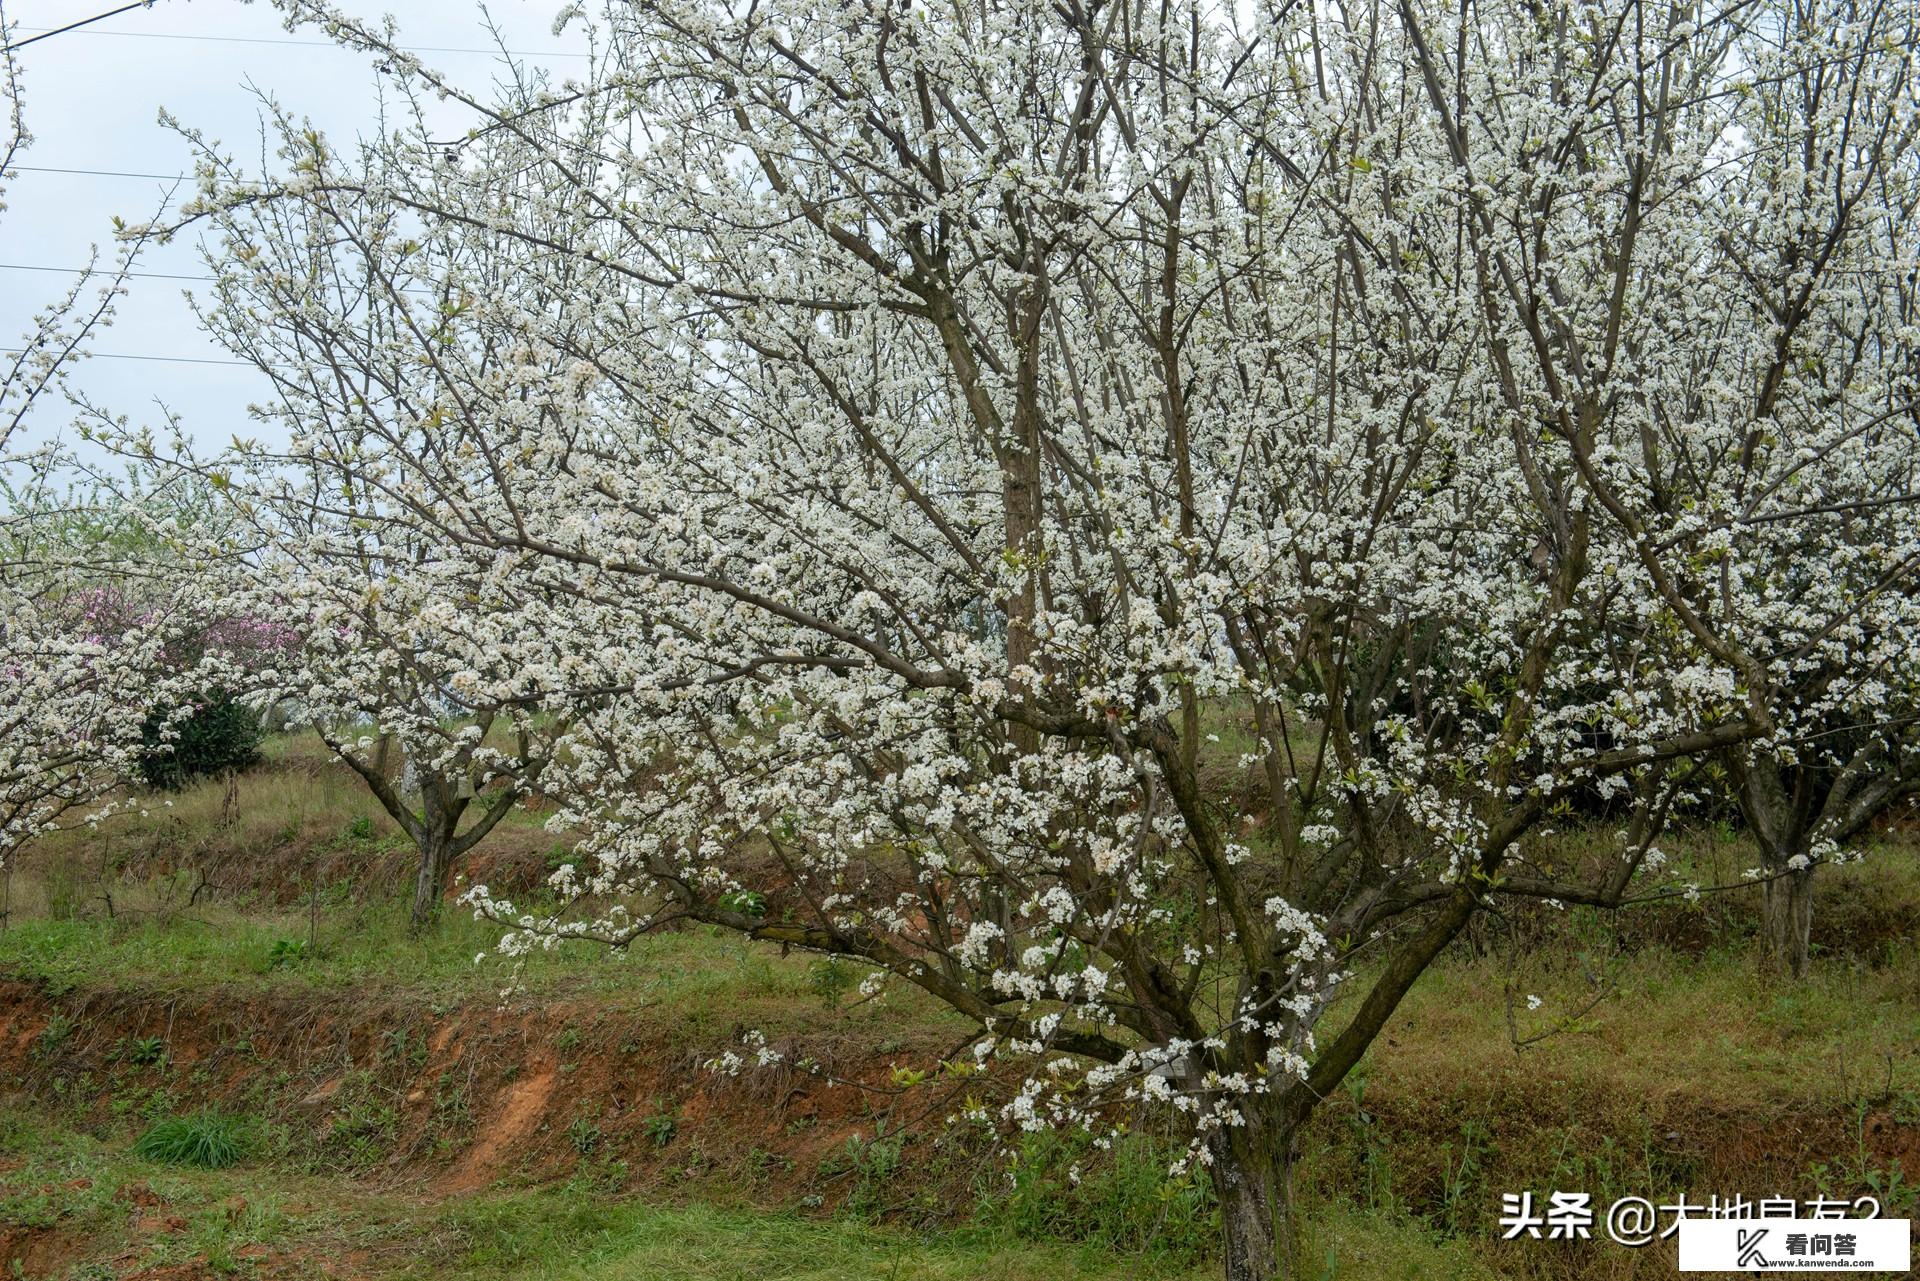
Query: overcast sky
(93, 97)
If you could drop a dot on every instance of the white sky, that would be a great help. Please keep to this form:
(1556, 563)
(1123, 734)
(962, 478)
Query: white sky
(93, 96)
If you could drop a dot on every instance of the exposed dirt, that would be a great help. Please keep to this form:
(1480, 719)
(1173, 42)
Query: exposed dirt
(436, 1101)
(39, 1252)
(455, 1099)
(49, 1252)
(517, 1114)
(451, 1100)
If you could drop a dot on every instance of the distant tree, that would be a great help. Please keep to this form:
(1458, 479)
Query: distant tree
(389, 683)
(1719, 337)
(1831, 249)
(399, 666)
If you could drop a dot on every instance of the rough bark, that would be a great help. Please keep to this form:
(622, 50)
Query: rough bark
(1780, 810)
(1252, 1172)
(436, 856)
(1788, 918)
(436, 832)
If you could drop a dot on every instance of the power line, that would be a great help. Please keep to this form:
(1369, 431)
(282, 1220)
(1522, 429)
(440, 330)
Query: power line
(305, 44)
(99, 173)
(166, 360)
(101, 271)
(46, 32)
(151, 275)
(117, 173)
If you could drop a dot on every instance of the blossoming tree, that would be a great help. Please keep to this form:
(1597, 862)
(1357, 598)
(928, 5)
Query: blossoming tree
(1717, 335)
(384, 675)
(1829, 245)
(422, 664)
(73, 689)
(917, 437)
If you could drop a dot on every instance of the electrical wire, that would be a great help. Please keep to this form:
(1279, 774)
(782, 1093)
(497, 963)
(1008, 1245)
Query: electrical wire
(168, 360)
(100, 173)
(101, 271)
(48, 33)
(304, 44)
(149, 275)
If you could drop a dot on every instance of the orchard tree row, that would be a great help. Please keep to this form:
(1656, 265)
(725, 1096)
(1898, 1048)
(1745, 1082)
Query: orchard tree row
(850, 457)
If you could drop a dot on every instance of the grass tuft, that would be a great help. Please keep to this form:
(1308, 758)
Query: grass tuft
(208, 1140)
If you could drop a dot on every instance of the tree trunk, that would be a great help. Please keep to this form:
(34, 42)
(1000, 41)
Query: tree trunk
(435, 857)
(1253, 1179)
(1789, 918)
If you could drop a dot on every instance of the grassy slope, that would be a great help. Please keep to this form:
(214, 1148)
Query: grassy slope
(261, 1222)
(1705, 1023)
(116, 1215)
(1687, 1043)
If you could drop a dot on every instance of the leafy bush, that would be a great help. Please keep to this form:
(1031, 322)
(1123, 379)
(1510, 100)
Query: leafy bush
(216, 735)
(210, 1140)
(584, 1135)
(661, 1127)
(285, 954)
(54, 1035)
(830, 980)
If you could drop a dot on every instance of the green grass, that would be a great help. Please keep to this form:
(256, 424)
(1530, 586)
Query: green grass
(535, 1237)
(1704, 1029)
(80, 917)
(1402, 1170)
(209, 1140)
(73, 1183)
(697, 977)
(1057, 1186)
(1710, 1026)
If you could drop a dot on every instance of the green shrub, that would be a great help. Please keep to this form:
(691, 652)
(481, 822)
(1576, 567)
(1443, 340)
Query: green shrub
(217, 734)
(285, 954)
(830, 980)
(55, 1034)
(661, 1127)
(210, 1140)
(584, 1135)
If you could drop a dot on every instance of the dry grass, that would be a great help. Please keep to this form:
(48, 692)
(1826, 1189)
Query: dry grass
(1667, 1024)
